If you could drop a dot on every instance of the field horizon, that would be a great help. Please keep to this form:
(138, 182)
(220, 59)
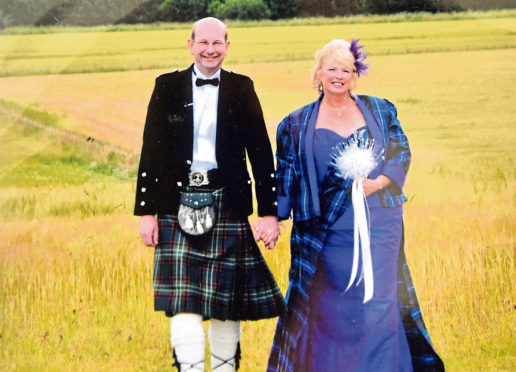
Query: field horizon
(76, 290)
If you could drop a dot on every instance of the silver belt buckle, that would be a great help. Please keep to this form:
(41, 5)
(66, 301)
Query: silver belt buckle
(198, 178)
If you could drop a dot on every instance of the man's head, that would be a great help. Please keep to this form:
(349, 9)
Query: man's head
(208, 44)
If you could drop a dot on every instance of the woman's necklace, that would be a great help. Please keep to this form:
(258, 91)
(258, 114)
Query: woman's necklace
(339, 109)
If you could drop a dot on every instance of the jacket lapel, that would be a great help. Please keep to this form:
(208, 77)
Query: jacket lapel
(188, 114)
(223, 109)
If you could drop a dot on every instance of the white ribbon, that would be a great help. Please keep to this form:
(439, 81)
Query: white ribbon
(361, 241)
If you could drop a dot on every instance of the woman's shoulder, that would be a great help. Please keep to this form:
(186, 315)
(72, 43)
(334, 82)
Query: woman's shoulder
(376, 103)
(369, 99)
(294, 121)
(298, 115)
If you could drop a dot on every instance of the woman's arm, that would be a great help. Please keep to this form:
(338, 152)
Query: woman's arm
(397, 155)
(285, 173)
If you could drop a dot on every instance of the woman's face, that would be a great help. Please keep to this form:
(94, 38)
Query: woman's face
(336, 76)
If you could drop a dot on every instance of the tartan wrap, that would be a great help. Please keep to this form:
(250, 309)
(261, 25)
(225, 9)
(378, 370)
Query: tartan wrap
(297, 196)
(220, 275)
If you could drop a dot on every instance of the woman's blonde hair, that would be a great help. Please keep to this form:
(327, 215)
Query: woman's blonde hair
(338, 49)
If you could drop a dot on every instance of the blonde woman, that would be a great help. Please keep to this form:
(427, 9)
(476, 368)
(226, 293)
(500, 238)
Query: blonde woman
(346, 311)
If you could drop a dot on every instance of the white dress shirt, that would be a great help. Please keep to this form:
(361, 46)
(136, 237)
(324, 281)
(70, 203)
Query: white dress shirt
(205, 103)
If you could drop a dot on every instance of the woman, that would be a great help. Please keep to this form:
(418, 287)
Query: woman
(346, 310)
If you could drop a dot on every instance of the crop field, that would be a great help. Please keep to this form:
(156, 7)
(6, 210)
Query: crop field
(75, 281)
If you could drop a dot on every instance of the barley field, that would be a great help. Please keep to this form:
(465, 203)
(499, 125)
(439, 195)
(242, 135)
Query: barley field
(75, 281)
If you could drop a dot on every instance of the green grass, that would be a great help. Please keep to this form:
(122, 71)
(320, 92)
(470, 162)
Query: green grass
(37, 156)
(153, 48)
(32, 113)
(75, 289)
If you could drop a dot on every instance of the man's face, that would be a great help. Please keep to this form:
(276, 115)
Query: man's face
(209, 47)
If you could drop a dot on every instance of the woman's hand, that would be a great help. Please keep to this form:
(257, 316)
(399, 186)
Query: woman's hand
(374, 185)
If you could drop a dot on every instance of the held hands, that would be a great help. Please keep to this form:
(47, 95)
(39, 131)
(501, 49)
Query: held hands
(149, 230)
(267, 230)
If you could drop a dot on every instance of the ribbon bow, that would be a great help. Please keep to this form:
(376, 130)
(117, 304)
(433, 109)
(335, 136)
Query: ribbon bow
(362, 244)
(354, 160)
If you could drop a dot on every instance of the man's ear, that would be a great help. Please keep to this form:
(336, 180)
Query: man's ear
(190, 43)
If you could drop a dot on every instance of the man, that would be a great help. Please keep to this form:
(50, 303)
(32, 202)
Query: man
(200, 124)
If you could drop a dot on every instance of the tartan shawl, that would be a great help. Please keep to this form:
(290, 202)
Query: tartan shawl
(297, 182)
(313, 213)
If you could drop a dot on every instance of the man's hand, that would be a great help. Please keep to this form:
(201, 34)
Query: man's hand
(149, 230)
(267, 230)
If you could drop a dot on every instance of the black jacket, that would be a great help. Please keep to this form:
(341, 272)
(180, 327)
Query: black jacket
(168, 143)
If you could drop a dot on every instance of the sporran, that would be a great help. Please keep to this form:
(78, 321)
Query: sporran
(196, 215)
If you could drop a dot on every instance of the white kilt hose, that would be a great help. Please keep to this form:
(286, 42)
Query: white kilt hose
(220, 275)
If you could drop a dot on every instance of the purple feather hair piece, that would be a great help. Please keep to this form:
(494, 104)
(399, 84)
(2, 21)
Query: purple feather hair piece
(360, 57)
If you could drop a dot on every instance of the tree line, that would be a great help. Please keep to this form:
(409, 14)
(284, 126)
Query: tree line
(101, 12)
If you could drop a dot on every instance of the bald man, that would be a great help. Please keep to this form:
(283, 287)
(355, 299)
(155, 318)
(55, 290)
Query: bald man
(202, 125)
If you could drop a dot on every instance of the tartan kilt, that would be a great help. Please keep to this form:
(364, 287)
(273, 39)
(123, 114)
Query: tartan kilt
(221, 274)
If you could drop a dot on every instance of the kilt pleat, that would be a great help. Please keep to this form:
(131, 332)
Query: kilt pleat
(220, 275)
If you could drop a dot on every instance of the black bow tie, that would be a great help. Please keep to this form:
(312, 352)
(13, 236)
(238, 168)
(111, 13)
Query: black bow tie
(200, 82)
